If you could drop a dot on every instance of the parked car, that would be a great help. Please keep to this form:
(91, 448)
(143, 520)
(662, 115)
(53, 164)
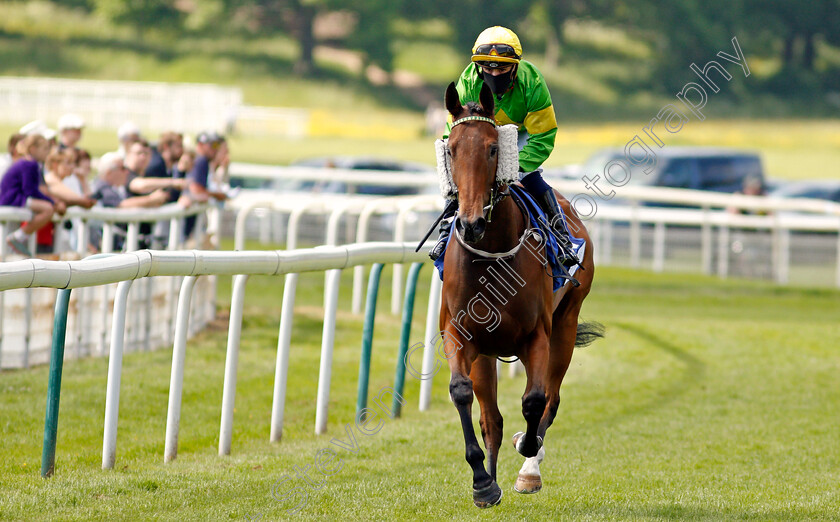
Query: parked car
(698, 168)
(340, 187)
(820, 189)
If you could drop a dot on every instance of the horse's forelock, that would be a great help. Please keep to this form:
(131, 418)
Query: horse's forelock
(475, 109)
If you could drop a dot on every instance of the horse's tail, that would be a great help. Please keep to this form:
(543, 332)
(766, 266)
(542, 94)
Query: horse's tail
(588, 332)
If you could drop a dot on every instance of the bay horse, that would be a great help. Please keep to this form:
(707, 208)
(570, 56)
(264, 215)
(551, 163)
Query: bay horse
(538, 326)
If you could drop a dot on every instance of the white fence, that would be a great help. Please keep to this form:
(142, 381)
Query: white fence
(125, 268)
(25, 315)
(157, 106)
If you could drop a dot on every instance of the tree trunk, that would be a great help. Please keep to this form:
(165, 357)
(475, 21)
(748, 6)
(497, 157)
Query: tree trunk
(787, 51)
(808, 53)
(306, 19)
(552, 47)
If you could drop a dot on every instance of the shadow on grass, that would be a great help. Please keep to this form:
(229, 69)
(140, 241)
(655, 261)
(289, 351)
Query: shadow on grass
(693, 373)
(683, 512)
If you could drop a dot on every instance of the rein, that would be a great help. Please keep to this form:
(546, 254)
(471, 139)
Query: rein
(484, 255)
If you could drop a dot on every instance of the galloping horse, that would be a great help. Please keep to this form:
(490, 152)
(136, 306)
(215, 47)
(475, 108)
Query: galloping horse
(532, 323)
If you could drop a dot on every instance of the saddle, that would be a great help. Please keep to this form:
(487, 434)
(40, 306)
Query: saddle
(550, 256)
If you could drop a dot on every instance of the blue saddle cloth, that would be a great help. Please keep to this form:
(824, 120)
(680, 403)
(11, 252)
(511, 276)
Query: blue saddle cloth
(539, 221)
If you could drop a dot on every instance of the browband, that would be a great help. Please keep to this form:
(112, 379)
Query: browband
(465, 119)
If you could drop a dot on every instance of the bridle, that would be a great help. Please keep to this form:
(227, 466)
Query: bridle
(497, 194)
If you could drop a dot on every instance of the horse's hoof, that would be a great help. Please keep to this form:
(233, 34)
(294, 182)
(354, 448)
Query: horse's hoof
(487, 496)
(518, 441)
(527, 484)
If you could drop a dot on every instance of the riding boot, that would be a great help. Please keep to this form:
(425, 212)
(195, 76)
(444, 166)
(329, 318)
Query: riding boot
(440, 246)
(548, 203)
(445, 226)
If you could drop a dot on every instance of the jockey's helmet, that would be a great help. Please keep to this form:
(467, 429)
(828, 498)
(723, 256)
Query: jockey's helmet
(496, 50)
(497, 47)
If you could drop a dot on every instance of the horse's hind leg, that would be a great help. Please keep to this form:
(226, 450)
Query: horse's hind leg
(562, 347)
(484, 380)
(486, 492)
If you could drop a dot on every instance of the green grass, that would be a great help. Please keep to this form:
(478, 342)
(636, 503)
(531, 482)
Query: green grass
(708, 400)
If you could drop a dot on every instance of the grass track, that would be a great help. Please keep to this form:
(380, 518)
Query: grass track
(708, 400)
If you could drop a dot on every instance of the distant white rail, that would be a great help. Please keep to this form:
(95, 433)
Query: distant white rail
(104, 104)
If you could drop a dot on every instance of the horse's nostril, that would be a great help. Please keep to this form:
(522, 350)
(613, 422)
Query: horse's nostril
(480, 226)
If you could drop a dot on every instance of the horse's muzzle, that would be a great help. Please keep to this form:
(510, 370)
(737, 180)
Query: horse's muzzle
(471, 231)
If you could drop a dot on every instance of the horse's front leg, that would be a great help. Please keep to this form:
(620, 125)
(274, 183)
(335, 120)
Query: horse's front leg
(486, 492)
(535, 359)
(485, 386)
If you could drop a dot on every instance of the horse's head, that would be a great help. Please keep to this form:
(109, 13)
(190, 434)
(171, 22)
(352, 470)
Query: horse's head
(474, 145)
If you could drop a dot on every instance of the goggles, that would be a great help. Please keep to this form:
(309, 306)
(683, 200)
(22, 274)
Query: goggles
(494, 54)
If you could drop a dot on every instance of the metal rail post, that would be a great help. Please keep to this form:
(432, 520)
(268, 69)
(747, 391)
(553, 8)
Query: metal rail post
(112, 394)
(176, 381)
(62, 303)
(237, 302)
(408, 312)
(367, 336)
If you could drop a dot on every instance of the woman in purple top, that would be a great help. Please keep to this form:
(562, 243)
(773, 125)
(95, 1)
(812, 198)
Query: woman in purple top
(20, 188)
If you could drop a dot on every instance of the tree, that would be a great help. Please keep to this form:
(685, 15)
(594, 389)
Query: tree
(141, 14)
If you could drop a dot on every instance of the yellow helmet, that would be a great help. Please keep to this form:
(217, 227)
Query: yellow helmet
(497, 45)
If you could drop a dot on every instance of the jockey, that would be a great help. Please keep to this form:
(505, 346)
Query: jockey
(522, 98)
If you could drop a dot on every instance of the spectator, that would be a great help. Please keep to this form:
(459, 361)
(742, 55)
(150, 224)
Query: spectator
(164, 160)
(220, 167)
(185, 164)
(752, 186)
(137, 157)
(207, 146)
(11, 155)
(59, 166)
(82, 171)
(64, 186)
(111, 187)
(70, 131)
(111, 191)
(37, 127)
(20, 188)
(127, 134)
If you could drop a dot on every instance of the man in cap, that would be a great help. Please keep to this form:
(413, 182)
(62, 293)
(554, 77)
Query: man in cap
(128, 133)
(40, 128)
(70, 131)
(207, 145)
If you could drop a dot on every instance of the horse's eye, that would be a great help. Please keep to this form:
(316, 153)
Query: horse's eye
(494, 149)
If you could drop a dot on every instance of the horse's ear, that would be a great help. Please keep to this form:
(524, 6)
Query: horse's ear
(452, 101)
(485, 98)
